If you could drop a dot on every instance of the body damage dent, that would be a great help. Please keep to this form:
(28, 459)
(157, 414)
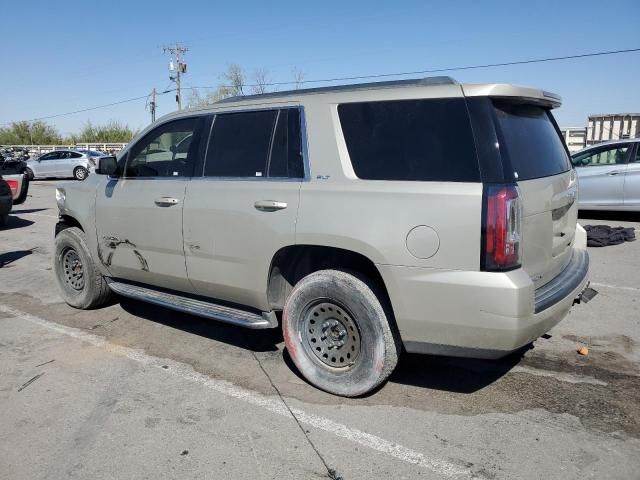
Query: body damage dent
(112, 243)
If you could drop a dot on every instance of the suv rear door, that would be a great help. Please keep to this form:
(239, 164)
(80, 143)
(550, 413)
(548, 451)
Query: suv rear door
(243, 208)
(139, 214)
(536, 159)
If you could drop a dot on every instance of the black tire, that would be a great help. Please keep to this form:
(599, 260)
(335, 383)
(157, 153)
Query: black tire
(84, 291)
(29, 173)
(80, 173)
(4, 219)
(23, 192)
(355, 307)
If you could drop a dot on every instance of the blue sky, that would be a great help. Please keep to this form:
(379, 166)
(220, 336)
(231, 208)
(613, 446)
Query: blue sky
(79, 54)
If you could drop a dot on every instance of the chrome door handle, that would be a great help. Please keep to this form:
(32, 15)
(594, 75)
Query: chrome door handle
(615, 172)
(166, 201)
(269, 205)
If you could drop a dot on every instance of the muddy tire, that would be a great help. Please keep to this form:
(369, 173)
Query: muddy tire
(81, 283)
(338, 333)
(80, 173)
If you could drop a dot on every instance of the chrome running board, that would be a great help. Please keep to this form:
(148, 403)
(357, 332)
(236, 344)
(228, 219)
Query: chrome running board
(200, 308)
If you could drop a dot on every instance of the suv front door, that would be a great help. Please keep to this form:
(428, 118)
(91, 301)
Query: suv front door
(243, 208)
(601, 173)
(139, 214)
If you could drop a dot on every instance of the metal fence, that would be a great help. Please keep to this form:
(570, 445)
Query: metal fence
(101, 147)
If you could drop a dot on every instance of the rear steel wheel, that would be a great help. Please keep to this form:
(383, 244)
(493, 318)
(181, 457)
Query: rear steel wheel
(331, 334)
(337, 332)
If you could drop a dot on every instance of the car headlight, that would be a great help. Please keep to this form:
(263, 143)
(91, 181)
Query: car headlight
(61, 196)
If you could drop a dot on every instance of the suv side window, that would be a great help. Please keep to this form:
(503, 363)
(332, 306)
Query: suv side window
(239, 144)
(610, 155)
(166, 151)
(419, 140)
(263, 143)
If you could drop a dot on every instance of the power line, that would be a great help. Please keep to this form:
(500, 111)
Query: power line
(448, 69)
(360, 77)
(82, 110)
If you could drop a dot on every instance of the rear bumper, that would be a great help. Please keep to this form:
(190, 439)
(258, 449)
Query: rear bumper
(479, 314)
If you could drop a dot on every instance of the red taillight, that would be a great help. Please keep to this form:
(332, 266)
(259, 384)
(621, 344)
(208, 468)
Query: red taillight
(13, 185)
(503, 214)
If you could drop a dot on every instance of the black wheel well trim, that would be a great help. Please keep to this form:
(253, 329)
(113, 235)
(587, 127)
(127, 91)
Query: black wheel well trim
(67, 221)
(293, 262)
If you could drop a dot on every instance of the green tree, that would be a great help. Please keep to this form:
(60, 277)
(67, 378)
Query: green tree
(112, 131)
(29, 133)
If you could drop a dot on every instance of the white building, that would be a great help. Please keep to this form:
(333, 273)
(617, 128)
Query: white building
(574, 137)
(612, 126)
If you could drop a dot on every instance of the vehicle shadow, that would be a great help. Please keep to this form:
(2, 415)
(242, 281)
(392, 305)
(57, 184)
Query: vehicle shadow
(459, 375)
(17, 222)
(612, 216)
(10, 257)
(254, 340)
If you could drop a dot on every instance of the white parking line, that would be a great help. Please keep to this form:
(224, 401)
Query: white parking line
(186, 372)
(615, 287)
(563, 377)
(36, 214)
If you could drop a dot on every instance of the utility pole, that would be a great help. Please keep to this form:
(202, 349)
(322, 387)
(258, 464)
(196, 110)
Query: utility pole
(177, 66)
(152, 105)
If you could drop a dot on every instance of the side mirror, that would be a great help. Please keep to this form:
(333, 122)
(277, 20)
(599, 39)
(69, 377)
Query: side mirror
(107, 166)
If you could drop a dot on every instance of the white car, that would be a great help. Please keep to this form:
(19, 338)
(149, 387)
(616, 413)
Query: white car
(61, 164)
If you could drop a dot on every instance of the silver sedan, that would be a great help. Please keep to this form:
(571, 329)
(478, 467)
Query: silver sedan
(62, 164)
(609, 175)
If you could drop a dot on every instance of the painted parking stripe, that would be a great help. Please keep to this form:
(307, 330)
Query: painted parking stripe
(400, 452)
(615, 287)
(36, 214)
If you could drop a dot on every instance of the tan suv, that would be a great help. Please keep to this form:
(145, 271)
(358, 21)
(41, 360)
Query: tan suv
(422, 214)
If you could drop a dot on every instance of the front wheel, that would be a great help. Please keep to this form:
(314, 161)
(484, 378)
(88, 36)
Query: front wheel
(80, 173)
(81, 283)
(337, 333)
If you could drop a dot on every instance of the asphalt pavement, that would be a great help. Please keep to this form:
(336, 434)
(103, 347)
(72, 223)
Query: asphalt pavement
(136, 391)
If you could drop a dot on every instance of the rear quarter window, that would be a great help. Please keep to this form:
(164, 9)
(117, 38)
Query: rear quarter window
(529, 141)
(417, 140)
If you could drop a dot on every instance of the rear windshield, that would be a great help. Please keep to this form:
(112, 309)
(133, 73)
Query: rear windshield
(529, 138)
(420, 140)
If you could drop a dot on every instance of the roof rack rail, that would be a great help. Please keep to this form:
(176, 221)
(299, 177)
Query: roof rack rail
(415, 82)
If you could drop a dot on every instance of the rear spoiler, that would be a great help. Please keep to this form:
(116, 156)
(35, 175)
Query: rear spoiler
(513, 93)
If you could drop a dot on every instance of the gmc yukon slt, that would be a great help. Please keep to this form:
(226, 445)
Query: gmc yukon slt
(427, 215)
